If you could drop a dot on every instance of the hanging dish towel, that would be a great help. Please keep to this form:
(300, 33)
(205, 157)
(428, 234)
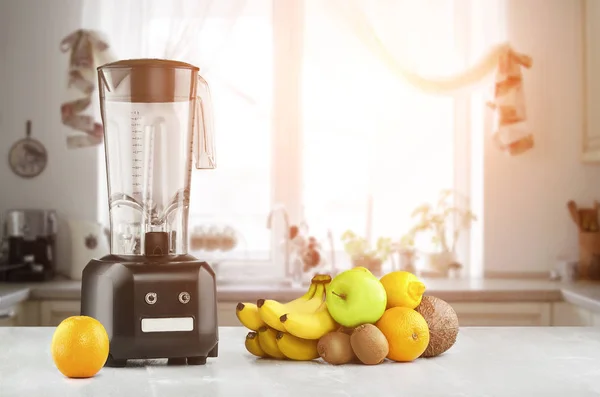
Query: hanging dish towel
(88, 50)
(510, 132)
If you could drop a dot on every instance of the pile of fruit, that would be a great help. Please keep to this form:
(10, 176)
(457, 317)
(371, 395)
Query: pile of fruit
(354, 317)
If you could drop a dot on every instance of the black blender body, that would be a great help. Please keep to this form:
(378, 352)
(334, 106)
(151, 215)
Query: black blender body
(153, 298)
(165, 308)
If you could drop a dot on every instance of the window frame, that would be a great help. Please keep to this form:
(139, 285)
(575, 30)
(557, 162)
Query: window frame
(462, 127)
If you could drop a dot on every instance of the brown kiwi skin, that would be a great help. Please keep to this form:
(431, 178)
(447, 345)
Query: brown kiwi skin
(335, 348)
(369, 344)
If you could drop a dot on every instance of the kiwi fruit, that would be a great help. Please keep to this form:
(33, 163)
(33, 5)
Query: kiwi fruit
(335, 348)
(369, 344)
(442, 322)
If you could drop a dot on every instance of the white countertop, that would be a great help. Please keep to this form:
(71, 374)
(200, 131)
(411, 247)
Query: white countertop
(490, 362)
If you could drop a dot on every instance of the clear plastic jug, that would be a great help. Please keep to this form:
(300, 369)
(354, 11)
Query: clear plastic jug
(157, 117)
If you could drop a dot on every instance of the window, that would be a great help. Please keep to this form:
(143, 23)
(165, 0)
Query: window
(237, 193)
(373, 147)
(308, 117)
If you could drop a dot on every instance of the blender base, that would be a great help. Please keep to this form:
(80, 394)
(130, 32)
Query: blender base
(121, 363)
(153, 308)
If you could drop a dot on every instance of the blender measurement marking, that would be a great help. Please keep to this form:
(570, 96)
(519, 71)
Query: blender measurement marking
(136, 143)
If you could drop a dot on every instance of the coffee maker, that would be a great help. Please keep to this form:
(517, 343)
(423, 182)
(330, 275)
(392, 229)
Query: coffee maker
(154, 299)
(28, 246)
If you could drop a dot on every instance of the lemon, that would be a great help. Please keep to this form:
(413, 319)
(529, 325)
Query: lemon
(403, 289)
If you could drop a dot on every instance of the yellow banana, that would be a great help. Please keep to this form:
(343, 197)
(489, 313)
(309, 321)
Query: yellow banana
(324, 278)
(248, 315)
(295, 348)
(309, 325)
(253, 346)
(270, 310)
(268, 343)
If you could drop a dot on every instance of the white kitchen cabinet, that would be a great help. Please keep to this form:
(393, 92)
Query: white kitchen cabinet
(502, 314)
(28, 314)
(9, 318)
(9, 321)
(23, 314)
(226, 313)
(53, 312)
(566, 314)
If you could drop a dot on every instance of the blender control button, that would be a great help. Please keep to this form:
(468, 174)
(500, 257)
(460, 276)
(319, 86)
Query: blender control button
(151, 298)
(184, 297)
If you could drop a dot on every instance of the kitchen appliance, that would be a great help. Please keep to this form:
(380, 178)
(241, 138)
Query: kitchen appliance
(28, 245)
(154, 299)
(89, 240)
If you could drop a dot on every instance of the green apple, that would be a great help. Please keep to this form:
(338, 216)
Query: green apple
(362, 269)
(355, 298)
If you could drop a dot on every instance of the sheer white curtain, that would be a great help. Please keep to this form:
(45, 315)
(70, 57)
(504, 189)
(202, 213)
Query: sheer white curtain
(384, 28)
(376, 146)
(394, 110)
(188, 30)
(433, 64)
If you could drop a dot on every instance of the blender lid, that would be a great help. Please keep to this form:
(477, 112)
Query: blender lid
(148, 80)
(148, 63)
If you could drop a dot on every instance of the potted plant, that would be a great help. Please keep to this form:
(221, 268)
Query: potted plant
(407, 252)
(444, 220)
(362, 254)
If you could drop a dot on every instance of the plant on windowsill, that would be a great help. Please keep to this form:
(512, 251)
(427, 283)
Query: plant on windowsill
(407, 252)
(445, 221)
(362, 254)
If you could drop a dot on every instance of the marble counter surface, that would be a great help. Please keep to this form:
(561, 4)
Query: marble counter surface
(584, 294)
(491, 362)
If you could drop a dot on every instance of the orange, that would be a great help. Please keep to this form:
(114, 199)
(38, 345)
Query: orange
(80, 347)
(406, 331)
(403, 289)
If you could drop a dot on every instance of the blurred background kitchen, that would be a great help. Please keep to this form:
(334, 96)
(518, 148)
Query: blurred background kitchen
(337, 146)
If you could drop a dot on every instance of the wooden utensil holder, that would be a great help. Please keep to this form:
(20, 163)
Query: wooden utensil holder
(589, 256)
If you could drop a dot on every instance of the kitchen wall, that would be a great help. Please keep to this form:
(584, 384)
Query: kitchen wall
(525, 222)
(32, 85)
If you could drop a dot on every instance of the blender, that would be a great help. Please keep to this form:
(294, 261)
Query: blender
(154, 299)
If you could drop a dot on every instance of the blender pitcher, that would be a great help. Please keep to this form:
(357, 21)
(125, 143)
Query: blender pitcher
(153, 298)
(151, 110)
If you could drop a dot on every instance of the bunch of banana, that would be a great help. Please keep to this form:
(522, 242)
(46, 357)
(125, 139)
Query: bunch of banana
(267, 311)
(247, 313)
(268, 343)
(270, 311)
(269, 321)
(311, 326)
